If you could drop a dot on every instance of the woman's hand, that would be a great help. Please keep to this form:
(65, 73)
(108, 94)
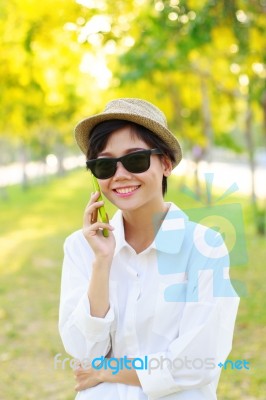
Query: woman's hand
(90, 377)
(103, 247)
(86, 378)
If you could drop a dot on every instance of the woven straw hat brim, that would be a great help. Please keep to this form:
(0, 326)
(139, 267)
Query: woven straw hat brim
(84, 128)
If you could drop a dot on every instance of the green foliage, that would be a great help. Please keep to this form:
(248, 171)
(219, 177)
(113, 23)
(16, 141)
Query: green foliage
(228, 141)
(188, 41)
(38, 71)
(59, 66)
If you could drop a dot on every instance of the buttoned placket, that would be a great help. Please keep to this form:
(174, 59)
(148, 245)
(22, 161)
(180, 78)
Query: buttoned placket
(134, 294)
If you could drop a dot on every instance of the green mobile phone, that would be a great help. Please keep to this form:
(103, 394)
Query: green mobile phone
(101, 210)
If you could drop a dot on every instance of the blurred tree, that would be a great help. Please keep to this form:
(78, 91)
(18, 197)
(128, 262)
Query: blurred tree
(40, 59)
(206, 44)
(202, 61)
(207, 58)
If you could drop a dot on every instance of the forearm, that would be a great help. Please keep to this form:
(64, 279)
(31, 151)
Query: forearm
(98, 292)
(90, 377)
(125, 376)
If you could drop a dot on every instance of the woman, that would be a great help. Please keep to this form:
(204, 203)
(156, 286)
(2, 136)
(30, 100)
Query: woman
(147, 307)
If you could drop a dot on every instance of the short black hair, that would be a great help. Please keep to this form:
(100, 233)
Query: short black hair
(100, 134)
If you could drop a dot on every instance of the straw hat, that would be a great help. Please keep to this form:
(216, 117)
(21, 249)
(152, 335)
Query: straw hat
(129, 109)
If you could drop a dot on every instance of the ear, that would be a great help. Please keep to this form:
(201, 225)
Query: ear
(167, 166)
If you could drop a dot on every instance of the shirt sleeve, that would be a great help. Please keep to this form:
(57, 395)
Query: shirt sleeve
(83, 336)
(205, 333)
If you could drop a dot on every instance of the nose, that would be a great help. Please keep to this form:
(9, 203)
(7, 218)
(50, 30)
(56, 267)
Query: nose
(121, 172)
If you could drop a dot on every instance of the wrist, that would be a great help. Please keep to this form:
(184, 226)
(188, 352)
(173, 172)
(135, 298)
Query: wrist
(102, 263)
(102, 376)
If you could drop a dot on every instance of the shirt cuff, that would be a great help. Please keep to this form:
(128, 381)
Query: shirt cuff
(97, 329)
(157, 383)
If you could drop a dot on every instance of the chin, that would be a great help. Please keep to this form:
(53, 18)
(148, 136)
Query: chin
(124, 204)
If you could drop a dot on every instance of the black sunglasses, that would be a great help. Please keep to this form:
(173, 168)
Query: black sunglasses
(137, 162)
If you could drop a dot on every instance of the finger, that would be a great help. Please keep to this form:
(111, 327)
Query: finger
(78, 388)
(94, 216)
(94, 197)
(93, 229)
(90, 213)
(92, 206)
(78, 370)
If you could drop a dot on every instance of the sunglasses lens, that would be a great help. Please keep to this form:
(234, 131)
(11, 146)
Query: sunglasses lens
(137, 163)
(103, 168)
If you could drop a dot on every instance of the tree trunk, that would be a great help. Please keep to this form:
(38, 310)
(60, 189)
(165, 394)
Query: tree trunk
(263, 103)
(259, 214)
(251, 151)
(206, 118)
(60, 153)
(23, 160)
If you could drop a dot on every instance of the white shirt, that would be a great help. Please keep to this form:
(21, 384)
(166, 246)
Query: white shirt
(172, 301)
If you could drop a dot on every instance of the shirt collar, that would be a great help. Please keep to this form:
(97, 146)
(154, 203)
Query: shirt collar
(169, 238)
(171, 234)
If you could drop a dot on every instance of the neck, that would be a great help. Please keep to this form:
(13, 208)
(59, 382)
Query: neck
(141, 225)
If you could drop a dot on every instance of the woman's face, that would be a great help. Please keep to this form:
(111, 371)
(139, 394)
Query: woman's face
(129, 191)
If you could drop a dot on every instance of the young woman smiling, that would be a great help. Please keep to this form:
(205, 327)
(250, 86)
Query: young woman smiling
(145, 292)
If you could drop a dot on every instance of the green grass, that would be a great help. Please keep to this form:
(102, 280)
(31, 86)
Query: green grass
(33, 226)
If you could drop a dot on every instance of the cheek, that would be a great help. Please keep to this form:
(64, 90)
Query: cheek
(108, 195)
(157, 170)
(153, 181)
(103, 185)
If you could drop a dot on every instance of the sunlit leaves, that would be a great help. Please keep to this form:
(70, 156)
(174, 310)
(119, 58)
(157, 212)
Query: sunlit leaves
(38, 72)
(59, 59)
(187, 41)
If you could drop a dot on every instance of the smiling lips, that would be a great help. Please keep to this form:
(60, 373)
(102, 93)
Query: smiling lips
(126, 190)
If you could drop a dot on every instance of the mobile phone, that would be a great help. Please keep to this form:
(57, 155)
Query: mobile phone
(101, 210)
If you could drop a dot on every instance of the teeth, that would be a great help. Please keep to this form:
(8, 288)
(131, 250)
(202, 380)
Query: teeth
(126, 190)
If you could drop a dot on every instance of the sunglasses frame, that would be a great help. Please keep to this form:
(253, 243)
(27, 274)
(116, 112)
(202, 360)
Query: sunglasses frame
(91, 163)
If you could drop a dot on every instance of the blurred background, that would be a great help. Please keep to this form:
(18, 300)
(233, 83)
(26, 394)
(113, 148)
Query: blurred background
(203, 62)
